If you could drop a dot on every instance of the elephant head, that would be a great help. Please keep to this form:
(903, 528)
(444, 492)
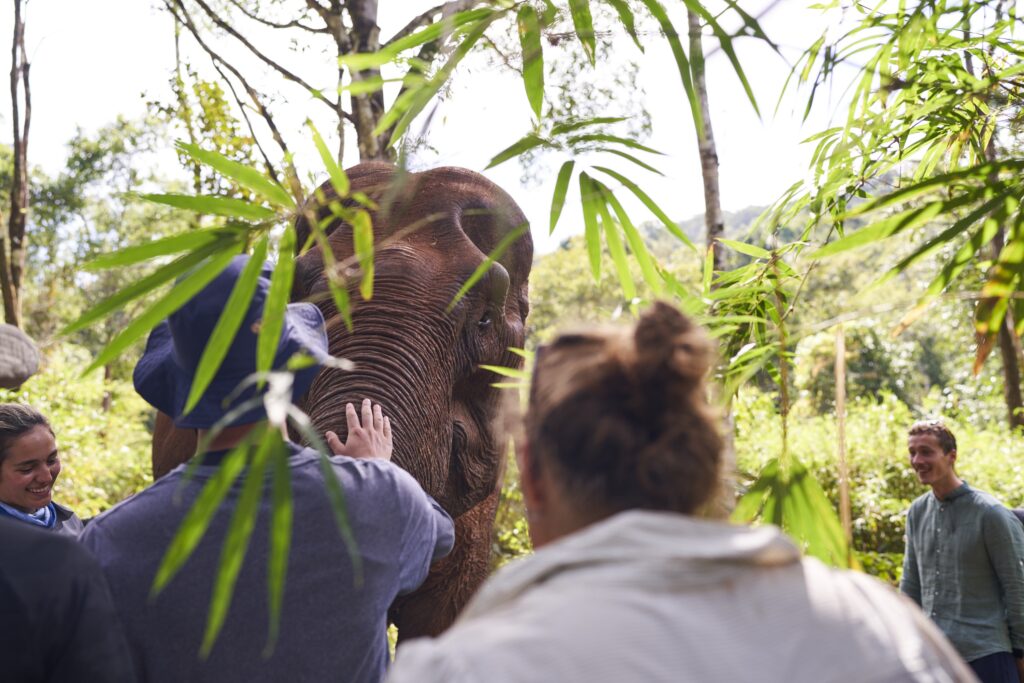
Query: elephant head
(416, 354)
(420, 357)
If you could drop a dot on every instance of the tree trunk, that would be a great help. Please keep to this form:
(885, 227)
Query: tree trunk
(713, 220)
(367, 109)
(11, 273)
(715, 227)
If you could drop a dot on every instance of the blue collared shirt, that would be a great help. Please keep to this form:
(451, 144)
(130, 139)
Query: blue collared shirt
(964, 565)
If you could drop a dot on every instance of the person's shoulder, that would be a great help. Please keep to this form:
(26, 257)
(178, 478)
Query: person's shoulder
(150, 500)
(920, 503)
(25, 544)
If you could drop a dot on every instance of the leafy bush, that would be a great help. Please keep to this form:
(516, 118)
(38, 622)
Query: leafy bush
(105, 453)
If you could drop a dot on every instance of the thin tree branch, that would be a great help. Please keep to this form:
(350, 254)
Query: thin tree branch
(186, 19)
(272, 24)
(248, 123)
(262, 57)
(447, 9)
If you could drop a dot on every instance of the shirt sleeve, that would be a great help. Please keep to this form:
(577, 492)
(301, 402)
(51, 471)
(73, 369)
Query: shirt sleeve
(429, 535)
(1004, 541)
(910, 582)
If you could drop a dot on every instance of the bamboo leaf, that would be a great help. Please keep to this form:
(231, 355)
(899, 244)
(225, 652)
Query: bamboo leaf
(175, 299)
(282, 513)
(408, 106)
(277, 302)
(627, 19)
(197, 519)
(145, 285)
(247, 177)
(584, 24)
(518, 147)
(485, 266)
(561, 189)
(631, 158)
(362, 238)
(744, 248)
(339, 179)
(615, 139)
(650, 204)
(725, 41)
(437, 30)
(533, 57)
(682, 63)
(218, 206)
(227, 325)
(186, 241)
(636, 244)
(334, 491)
(592, 231)
(615, 248)
(236, 544)
(570, 126)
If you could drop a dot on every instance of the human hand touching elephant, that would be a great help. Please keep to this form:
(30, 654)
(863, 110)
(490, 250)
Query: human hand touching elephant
(370, 438)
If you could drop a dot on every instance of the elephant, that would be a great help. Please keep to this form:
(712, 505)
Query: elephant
(420, 360)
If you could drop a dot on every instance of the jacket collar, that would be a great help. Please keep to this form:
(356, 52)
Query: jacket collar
(654, 544)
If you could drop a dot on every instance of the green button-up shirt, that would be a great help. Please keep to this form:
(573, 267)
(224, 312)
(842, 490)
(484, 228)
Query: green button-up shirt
(964, 565)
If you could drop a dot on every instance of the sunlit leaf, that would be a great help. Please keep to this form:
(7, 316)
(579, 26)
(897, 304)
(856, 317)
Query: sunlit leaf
(249, 178)
(533, 57)
(650, 204)
(236, 543)
(592, 230)
(339, 179)
(186, 241)
(518, 147)
(218, 206)
(584, 24)
(362, 238)
(627, 19)
(181, 293)
(198, 518)
(561, 189)
(277, 302)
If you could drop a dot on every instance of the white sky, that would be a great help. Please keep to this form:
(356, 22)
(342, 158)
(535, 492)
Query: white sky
(92, 61)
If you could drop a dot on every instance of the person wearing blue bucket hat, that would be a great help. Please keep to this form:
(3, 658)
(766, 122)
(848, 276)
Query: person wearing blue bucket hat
(333, 619)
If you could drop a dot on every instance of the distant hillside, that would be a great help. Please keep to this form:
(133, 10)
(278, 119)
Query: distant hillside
(737, 227)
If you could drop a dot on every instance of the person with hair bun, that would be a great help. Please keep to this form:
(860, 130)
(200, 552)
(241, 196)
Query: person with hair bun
(633, 579)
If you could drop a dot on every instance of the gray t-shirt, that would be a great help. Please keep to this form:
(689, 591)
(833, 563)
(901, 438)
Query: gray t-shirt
(331, 629)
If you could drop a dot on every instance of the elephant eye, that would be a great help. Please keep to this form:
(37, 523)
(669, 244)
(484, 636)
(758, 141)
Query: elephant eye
(485, 320)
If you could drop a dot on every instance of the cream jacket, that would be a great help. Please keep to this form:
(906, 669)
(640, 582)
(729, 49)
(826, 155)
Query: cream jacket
(646, 596)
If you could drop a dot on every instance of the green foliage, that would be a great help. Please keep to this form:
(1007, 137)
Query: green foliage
(102, 429)
(882, 484)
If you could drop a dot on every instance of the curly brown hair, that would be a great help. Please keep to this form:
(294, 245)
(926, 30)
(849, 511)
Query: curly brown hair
(938, 429)
(622, 415)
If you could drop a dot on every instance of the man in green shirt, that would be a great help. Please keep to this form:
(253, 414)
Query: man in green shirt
(964, 561)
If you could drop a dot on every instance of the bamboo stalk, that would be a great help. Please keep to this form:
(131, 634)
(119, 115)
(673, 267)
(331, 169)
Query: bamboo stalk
(844, 472)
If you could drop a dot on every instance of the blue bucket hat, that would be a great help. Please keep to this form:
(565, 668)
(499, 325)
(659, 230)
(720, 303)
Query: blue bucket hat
(163, 375)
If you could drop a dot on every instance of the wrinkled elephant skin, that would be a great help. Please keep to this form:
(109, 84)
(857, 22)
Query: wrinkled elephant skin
(432, 230)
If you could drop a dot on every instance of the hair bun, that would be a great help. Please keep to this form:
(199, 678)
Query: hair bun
(670, 348)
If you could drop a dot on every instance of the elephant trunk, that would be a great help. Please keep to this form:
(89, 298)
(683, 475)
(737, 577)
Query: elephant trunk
(409, 384)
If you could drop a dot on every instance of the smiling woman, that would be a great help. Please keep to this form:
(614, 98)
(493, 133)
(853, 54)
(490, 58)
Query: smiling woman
(29, 466)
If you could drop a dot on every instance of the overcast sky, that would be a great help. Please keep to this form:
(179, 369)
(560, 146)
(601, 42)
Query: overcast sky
(90, 65)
